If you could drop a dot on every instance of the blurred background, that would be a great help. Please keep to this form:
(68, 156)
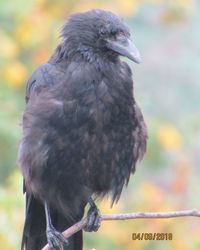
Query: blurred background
(167, 89)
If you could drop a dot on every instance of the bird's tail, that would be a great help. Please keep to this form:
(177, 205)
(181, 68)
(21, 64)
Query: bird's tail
(34, 234)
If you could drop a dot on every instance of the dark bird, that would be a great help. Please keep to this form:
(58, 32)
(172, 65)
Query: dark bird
(82, 129)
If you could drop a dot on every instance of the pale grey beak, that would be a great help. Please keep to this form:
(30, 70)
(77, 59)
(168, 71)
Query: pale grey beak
(125, 47)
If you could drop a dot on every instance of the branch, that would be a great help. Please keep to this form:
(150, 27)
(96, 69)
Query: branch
(141, 215)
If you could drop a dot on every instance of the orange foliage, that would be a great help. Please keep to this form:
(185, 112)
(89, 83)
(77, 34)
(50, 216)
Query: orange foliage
(15, 74)
(180, 181)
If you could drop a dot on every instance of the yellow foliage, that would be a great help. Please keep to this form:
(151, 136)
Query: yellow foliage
(40, 2)
(23, 34)
(30, 31)
(127, 7)
(156, 1)
(151, 192)
(105, 205)
(54, 10)
(124, 7)
(169, 137)
(5, 244)
(186, 3)
(15, 74)
(8, 48)
(85, 6)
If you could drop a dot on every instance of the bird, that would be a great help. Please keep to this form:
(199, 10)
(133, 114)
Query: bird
(83, 131)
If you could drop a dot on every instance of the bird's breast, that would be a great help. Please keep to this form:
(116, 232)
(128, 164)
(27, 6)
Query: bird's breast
(106, 137)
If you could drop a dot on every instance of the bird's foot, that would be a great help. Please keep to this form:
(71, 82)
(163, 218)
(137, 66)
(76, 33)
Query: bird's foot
(56, 240)
(93, 219)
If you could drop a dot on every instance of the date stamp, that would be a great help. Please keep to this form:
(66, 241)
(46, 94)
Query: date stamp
(152, 236)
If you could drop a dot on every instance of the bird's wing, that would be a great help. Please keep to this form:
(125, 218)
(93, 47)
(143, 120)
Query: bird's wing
(140, 135)
(34, 234)
(39, 81)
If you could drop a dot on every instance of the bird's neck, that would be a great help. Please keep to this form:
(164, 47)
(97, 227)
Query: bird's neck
(101, 60)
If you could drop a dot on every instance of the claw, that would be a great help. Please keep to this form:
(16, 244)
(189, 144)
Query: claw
(93, 219)
(56, 240)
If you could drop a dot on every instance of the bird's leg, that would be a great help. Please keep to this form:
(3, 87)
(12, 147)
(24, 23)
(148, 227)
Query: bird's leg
(93, 217)
(55, 239)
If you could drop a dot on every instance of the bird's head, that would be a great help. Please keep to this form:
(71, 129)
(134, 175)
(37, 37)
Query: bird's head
(98, 33)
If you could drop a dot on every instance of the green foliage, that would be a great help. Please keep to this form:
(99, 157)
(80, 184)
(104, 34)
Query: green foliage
(11, 103)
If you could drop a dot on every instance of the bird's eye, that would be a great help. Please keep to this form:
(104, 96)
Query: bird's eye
(113, 33)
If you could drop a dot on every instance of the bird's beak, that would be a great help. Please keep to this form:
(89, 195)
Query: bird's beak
(125, 47)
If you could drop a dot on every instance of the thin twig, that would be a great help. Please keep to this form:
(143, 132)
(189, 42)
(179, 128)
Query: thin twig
(141, 215)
